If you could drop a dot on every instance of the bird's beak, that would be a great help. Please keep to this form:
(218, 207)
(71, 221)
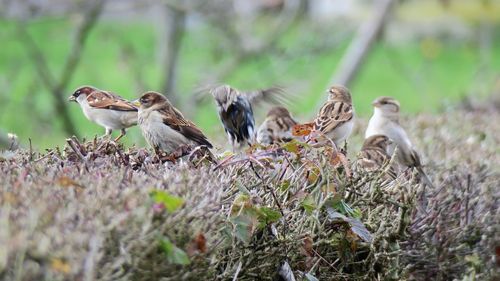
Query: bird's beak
(136, 103)
(72, 98)
(375, 103)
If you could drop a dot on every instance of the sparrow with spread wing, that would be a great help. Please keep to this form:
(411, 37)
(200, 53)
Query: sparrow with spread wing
(277, 127)
(106, 109)
(236, 113)
(385, 121)
(164, 127)
(373, 155)
(335, 119)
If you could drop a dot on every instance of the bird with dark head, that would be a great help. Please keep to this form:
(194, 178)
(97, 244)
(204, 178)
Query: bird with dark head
(373, 155)
(385, 121)
(335, 119)
(236, 113)
(164, 127)
(107, 109)
(277, 127)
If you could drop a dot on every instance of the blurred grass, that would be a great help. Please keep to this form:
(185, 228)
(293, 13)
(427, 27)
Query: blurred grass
(424, 75)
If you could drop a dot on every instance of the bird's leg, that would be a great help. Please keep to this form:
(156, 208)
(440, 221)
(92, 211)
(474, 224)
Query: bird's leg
(107, 135)
(122, 134)
(158, 154)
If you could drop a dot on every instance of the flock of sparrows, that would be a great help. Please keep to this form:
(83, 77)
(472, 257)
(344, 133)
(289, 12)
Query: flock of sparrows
(166, 130)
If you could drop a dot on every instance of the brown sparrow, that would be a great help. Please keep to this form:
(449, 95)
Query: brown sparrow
(335, 119)
(164, 127)
(106, 109)
(277, 127)
(373, 155)
(385, 121)
(236, 114)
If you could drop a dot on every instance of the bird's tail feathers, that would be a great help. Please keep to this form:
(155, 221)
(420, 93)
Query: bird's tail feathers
(427, 181)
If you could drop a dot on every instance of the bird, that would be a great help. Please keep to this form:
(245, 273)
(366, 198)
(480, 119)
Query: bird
(385, 121)
(107, 109)
(164, 127)
(373, 155)
(335, 119)
(236, 113)
(277, 127)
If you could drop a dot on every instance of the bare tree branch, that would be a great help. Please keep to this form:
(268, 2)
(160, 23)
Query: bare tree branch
(361, 45)
(58, 87)
(292, 12)
(176, 27)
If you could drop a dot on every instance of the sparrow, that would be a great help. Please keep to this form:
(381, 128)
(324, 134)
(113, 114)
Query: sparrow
(277, 127)
(164, 127)
(373, 155)
(385, 121)
(236, 113)
(106, 109)
(335, 119)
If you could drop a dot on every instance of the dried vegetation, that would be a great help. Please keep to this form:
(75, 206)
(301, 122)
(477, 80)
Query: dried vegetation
(98, 211)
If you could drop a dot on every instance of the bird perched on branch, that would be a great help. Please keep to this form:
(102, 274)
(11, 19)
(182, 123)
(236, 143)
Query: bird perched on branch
(164, 127)
(373, 155)
(236, 113)
(277, 127)
(335, 119)
(385, 121)
(107, 109)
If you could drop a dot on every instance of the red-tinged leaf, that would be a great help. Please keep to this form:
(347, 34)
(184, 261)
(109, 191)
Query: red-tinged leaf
(66, 182)
(301, 130)
(307, 246)
(197, 245)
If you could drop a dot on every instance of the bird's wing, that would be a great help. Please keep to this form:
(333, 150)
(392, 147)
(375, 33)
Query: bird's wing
(275, 95)
(107, 100)
(175, 120)
(374, 159)
(332, 115)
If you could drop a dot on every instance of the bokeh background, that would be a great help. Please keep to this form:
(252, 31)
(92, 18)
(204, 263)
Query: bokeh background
(429, 54)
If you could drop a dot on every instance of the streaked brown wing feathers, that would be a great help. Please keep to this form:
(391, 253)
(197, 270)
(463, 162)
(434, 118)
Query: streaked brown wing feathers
(107, 100)
(175, 120)
(333, 114)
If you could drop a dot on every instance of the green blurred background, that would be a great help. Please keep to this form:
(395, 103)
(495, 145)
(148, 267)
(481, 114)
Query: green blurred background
(429, 55)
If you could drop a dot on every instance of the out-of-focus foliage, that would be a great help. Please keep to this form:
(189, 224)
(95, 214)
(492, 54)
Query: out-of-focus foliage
(429, 55)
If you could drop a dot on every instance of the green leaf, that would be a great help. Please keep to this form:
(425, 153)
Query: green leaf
(291, 146)
(174, 254)
(242, 227)
(308, 204)
(341, 206)
(170, 202)
(357, 213)
(267, 215)
(284, 185)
